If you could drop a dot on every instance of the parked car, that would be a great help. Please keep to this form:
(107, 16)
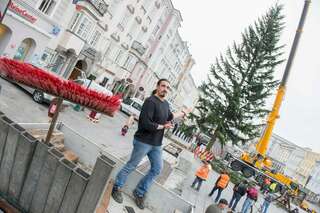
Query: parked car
(37, 95)
(132, 106)
(93, 85)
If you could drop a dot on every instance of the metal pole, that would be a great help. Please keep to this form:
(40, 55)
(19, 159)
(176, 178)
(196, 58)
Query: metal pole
(54, 120)
(295, 43)
(3, 8)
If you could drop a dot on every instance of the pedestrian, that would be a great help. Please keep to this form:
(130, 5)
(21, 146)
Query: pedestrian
(201, 175)
(129, 122)
(221, 183)
(273, 187)
(239, 191)
(265, 184)
(221, 207)
(52, 108)
(252, 196)
(154, 118)
(269, 197)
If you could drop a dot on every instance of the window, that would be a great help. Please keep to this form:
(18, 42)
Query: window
(58, 64)
(104, 82)
(143, 10)
(137, 106)
(119, 57)
(129, 37)
(95, 38)
(134, 29)
(128, 64)
(47, 6)
(146, 3)
(123, 23)
(155, 30)
(75, 21)
(84, 28)
(112, 9)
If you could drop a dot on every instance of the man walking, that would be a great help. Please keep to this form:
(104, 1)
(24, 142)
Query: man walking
(202, 174)
(221, 183)
(239, 191)
(252, 196)
(154, 118)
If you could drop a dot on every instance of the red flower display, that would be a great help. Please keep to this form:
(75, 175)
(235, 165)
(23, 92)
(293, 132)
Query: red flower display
(49, 83)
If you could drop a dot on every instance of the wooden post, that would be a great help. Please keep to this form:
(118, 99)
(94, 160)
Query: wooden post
(54, 120)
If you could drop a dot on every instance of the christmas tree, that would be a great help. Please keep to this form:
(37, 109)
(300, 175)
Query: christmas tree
(232, 103)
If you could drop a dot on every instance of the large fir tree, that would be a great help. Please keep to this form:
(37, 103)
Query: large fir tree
(232, 102)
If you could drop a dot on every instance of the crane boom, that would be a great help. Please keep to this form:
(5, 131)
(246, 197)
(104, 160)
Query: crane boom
(263, 143)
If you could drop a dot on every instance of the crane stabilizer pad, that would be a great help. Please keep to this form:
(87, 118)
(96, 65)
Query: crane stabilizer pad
(129, 209)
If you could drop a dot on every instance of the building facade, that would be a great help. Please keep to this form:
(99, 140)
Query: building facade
(126, 45)
(314, 182)
(292, 160)
(305, 167)
(29, 26)
(279, 151)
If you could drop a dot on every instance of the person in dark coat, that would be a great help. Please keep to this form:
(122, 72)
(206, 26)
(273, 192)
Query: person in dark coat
(239, 191)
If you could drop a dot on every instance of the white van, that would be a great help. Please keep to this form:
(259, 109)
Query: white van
(132, 106)
(94, 86)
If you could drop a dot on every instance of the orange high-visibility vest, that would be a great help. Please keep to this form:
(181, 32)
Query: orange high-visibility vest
(223, 182)
(203, 172)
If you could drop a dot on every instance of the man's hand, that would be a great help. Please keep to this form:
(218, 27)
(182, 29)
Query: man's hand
(187, 110)
(168, 125)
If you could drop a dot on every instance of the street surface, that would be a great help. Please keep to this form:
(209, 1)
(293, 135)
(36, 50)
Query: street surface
(19, 106)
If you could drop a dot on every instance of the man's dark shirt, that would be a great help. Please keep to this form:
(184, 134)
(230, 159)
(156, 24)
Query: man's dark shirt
(241, 189)
(153, 112)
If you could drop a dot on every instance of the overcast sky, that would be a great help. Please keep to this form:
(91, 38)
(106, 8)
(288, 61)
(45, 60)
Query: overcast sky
(210, 26)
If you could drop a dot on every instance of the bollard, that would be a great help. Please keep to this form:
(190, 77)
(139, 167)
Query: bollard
(33, 175)
(8, 156)
(75, 189)
(45, 180)
(23, 157)
(5, 122)
(96, 184)
(59, 186)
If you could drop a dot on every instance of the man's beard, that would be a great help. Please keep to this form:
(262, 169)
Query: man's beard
(162, 94)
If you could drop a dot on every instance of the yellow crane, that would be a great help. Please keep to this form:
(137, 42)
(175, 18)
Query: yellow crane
(258, 163)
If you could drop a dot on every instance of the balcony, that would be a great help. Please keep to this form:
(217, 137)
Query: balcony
(99, 5)
(138, 47)
(90, 52)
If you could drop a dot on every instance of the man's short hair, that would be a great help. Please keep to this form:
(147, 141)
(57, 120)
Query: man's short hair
(213, 209)
(223, 201)
(162, 79)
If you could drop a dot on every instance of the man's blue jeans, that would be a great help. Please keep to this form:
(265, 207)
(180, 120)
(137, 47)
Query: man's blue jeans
(140, 150)
(247, 205)
(265, 206)
(234, 201)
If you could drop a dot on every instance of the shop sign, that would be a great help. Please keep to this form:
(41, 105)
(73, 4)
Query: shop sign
(22, 12)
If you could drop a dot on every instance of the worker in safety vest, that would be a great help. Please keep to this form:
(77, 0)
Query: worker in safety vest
(272, 187)
(221, 183)
(265, 185)
(202, 174)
